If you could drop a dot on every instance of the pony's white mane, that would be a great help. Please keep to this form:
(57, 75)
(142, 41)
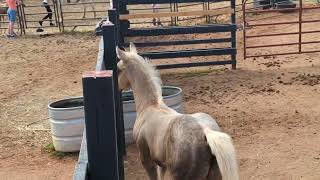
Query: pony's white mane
(151, 75)
(148, 69)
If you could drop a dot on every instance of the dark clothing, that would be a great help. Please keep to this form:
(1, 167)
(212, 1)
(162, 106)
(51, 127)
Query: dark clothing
(49, 11)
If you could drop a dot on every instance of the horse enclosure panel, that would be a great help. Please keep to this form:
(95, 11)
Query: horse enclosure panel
(171, 27)
(291, 24)
(4, 19)
(82, 15)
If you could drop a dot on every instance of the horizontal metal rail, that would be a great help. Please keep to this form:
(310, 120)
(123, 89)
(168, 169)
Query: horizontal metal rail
(187, 5)
(189, 53)
(78, 25)
(46, 20)
(272, 34)
(274, 54)
(272, 45)
(283, 34)
(175, 14)
(190, 4)
(29, 14)
(182, 42)
(285, 9)
(282, 54)
(315, 51)
(150, 22)
(36, 27)
(268, 17)
(284, 44)
(272, 24)
(80, 12)
(310, 32)
(85, 3)
(194, 64)
(136, 2)
(38, 5)
(181, 30)
(81, 19)
(148, 9)
(281, 23)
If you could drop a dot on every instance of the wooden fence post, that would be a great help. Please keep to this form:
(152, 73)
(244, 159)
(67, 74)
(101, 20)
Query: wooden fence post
(110, 62)
(100, 119)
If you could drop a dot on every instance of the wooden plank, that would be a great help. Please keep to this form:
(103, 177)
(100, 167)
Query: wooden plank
(176, 14)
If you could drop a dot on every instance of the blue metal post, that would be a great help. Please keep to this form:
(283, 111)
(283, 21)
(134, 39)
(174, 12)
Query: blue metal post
(100, 116)
(233, 34)
(110, 61)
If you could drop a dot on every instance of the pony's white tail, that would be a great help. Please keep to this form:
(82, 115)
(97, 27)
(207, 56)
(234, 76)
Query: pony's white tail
(222, 148)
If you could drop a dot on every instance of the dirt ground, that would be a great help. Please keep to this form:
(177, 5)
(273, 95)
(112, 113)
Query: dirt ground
(270, 106)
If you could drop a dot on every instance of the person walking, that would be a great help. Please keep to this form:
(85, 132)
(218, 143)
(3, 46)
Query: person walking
(49, 11)
(12, 16)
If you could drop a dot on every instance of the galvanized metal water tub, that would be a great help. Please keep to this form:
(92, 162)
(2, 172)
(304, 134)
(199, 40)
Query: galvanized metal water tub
(67, 124)
(67, 117)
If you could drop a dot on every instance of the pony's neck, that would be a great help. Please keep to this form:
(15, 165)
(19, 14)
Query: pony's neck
(146, 90)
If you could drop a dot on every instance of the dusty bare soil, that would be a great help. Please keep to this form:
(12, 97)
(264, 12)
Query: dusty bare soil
(270, 106)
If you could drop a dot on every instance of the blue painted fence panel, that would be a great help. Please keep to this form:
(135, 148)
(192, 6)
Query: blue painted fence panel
(211, 28)
(196, 64)
(189, 53)
(181, 42)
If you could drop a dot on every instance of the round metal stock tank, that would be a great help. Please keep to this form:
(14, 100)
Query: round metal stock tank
(67, 117)
(67, 124)
(172, 97)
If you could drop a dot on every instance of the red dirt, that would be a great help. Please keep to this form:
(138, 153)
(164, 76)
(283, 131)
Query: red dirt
(270, 106)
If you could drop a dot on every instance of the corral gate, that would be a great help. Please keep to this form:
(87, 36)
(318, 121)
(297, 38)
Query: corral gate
(4, 20)
(123, 20)
(288, 36)
(32, 13)
(65, 14)
(83, 14)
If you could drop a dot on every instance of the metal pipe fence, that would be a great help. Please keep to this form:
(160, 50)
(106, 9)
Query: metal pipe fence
(4, 20)
(72, 15)
(252, 18)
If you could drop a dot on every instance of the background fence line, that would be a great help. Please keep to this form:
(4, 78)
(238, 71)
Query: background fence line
(67, 16)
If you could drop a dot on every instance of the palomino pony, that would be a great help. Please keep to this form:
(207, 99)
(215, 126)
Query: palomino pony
(182, 146)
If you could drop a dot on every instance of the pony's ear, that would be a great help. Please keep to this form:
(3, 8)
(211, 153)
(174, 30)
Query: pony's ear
(133, 48)
(121, 55)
